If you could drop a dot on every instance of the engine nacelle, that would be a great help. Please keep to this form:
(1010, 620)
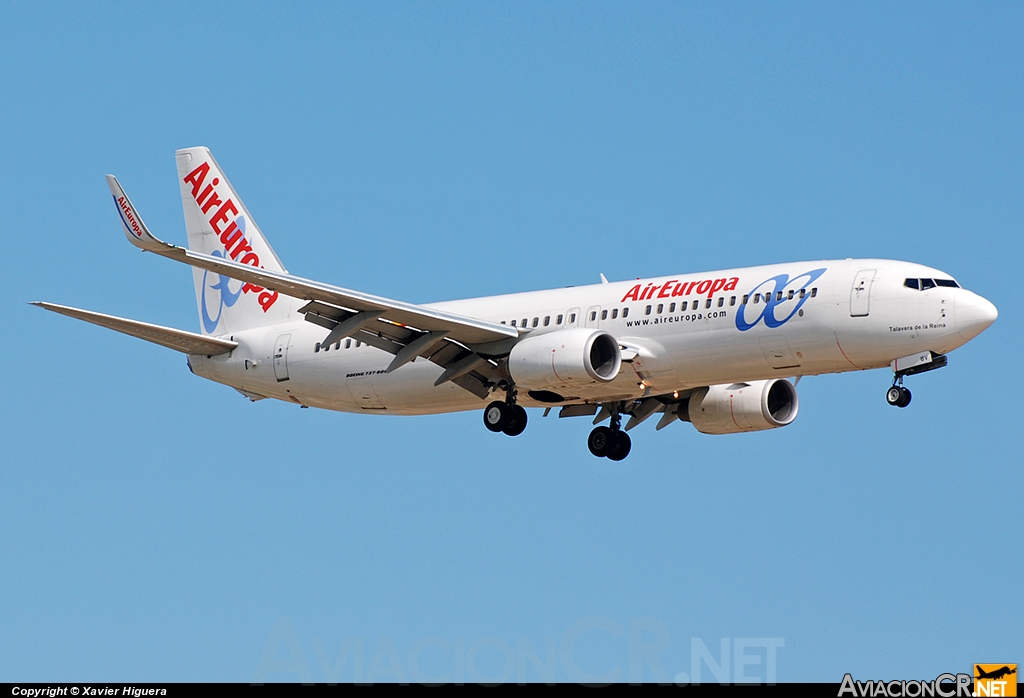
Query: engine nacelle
(565, 360)
(739, 407)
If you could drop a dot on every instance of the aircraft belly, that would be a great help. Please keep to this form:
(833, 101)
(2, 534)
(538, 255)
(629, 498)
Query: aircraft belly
(411, 390)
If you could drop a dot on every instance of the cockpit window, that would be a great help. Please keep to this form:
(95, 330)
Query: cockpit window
(925, 284)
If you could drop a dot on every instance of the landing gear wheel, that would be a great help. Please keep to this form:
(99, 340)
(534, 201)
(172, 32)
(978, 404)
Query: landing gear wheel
(518, 422)
(898, 396)
(600, 441)
(621, 444)
(893, 395)
(498, 416)
(904, 399)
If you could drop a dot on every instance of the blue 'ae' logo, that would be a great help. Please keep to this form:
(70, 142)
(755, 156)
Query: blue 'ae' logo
(781, 287)
(225, 296)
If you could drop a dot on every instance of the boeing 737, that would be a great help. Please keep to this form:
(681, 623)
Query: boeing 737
(722, 350)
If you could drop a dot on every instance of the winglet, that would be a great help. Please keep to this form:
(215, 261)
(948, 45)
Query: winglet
(134, 229)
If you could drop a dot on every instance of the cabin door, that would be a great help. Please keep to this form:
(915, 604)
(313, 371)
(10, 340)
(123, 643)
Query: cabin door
(860, 294)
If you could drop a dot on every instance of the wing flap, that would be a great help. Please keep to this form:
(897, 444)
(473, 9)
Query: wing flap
(179, 340)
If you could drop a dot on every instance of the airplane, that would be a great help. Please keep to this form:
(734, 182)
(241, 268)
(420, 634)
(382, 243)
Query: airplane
(722, 350)
(995, 674)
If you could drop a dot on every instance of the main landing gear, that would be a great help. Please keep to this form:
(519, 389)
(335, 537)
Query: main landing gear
(610, 442)
(604, 442)
(507, 416)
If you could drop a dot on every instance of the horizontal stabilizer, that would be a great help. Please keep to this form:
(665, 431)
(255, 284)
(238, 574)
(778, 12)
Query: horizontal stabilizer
(179, 340)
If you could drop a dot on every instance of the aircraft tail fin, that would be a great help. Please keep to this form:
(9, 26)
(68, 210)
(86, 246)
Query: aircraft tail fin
(219, 224)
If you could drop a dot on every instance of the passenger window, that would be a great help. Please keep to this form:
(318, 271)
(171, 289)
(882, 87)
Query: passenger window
(615, 313)
(732, 300)
(524, 323)
(604, 314)
(721, 301)
(625, 312)
(358, 344)
(316, 349)
(593, 315)
(503, 322)
(746, 297)
(814, 292)
(708, 304)
(536, 321)
(791, 294)
(803, 292)
(647, 310)
(513, 323)
(683, 306)
(558, 320)
(757, 298)
(661, 307)
(778, 296)
(927, 284)
(572, 318)
(671, 307)
(348, 343)
(547, 320)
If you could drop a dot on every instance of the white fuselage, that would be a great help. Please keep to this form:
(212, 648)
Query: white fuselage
(803, 318)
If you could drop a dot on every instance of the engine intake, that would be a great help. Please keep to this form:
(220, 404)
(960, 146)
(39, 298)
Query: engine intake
(739, 407)
(566, 359)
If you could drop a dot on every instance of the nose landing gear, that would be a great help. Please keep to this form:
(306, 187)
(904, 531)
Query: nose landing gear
(897, 395)
(922, 362)
(610, 442)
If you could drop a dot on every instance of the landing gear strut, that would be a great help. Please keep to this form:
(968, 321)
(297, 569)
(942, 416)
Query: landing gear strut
(610, 442)
(922, 362)
(897, 395)
(507, 416)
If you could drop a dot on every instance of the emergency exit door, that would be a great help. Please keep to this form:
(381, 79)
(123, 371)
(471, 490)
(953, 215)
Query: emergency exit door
(281, 357)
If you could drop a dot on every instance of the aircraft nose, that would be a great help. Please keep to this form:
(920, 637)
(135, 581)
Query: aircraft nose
(972, 314)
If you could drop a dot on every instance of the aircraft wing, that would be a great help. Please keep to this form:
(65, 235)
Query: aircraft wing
(366, 308)
(179, 340)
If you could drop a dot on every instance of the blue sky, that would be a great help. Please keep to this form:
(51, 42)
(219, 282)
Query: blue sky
(154, 526)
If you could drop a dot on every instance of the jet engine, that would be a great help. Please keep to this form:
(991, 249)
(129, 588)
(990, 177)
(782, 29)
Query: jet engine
(739, 407)
(565, 360)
